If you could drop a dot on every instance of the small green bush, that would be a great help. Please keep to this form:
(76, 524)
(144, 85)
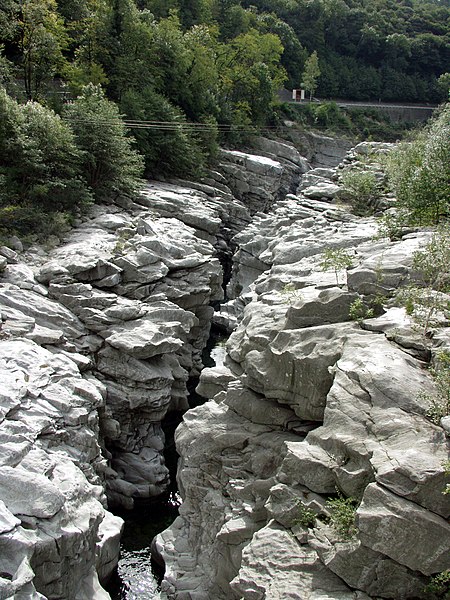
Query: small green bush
(446, 465)
(439, 586)
(424, 303)
(28, 220)
(335, 259)
(306, 517)
(291, 293)
(393, 226)
(361, 190)
(439, 403)
(359, 310)
(343, 513)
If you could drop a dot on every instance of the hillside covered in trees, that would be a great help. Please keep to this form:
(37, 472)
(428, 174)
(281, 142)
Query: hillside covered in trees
(223, 59)
(185, 75)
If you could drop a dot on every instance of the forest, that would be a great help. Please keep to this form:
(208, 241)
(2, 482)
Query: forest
(96, 93)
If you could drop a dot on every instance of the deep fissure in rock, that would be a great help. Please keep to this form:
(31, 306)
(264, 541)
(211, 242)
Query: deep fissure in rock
(139, 573)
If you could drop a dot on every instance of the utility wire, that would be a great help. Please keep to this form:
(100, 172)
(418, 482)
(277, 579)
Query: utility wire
(172, 125)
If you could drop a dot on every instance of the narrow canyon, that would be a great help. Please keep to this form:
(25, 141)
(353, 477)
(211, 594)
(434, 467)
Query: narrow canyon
(102, 334)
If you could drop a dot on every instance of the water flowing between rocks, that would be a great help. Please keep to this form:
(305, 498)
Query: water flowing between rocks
(138, 575)
(100, 336)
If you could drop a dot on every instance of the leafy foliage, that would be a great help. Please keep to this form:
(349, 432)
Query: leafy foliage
(41, 39)
(419, 172)
(311, 74)
(109, 163)
(335, 259)
(439, 586)
(250, 74)
(40, 167)
(429, 304)
(439, 403)
(343, 513)
(306, 516)
(171, 151)
(291, 293)
(372, 50)
(359, 311)
(361, 189)
(446, 466)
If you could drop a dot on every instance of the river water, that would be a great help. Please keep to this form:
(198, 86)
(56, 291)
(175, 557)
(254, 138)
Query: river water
(137, 576)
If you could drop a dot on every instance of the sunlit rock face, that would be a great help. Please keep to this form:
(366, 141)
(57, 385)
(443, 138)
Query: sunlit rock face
(98, 339)
(258, 180)
(54, 525)
(309, 402)
(100, 335)
(97, 343)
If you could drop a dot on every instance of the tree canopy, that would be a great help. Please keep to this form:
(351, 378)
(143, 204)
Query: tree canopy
(189, 69)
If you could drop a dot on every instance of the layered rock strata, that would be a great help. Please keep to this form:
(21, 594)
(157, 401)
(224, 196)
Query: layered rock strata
(98, 339)
(311, 406)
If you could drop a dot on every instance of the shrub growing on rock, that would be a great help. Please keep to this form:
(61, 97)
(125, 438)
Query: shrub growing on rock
(343, 514)
(439, 586)
(419, 173)
(360, 311)
(361, 190)
(439, 403)
(306, 516)
(428, 304)
(335, 259)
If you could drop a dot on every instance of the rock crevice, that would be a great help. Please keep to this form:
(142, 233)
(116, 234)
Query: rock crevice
(310, 404)
(99, 337)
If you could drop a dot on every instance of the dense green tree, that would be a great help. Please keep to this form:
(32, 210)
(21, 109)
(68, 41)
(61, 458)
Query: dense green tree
(444, 83)
(40, 167)
(110, 164)
(171, 57)
(6, 68)
(124, 48)
(198, 95)
(311, 74)
(250, 74)
(294, 55)
(410, 38)
(194, 12)
(371, 45)
(397, 51)
(9, 12)
(86, 29)
(41, 38)
(232, 18)
(172, 149)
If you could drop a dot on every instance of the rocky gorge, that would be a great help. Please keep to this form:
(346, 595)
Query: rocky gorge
(101, 334)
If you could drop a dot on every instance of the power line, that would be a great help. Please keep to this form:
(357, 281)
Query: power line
(172, 125)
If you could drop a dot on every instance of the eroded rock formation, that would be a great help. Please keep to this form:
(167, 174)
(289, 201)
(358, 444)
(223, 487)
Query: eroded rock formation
(99, 337)
(310, 403)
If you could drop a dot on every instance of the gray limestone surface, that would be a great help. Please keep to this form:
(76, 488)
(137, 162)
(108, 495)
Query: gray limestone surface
(98, 338)
(100, 335)
(308, 407)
